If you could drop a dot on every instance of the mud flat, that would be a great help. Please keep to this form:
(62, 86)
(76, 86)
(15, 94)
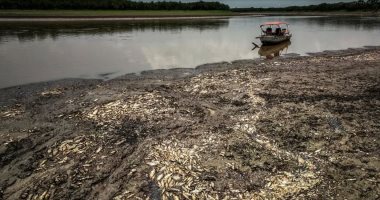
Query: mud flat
(296, 128)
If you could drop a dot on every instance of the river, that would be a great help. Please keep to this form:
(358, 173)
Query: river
(35, 51)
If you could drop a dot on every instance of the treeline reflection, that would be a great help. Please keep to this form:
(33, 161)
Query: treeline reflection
(39, 30)
(356, 23)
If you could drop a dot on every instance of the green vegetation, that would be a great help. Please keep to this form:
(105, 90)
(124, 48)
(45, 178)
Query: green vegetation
(109, 5)
(108, 8)
(112, 13)
(133, 8)
(361, 5)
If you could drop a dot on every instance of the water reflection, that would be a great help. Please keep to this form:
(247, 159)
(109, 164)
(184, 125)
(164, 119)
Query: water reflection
(356, 23)
(272, 51)
(39, 30)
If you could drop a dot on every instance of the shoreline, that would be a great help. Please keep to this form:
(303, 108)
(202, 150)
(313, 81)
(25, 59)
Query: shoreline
(146, 15)
(107, 14)
(302, 127)
(95, 18)
(330, 14)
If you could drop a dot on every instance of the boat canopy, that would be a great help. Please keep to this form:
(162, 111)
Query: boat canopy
(273, 23)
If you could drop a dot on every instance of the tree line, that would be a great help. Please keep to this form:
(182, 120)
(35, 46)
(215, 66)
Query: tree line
(361, 5)
(110, 5)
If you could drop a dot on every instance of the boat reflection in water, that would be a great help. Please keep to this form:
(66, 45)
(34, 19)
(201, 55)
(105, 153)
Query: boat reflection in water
(271, 51)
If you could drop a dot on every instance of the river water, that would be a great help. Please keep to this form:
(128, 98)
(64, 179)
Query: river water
(34, 51)
(266, 3)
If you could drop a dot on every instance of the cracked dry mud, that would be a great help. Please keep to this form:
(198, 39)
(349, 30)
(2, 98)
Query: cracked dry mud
(290, 128)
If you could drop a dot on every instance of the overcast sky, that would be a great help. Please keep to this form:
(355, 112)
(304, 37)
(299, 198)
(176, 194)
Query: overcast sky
(266, 3)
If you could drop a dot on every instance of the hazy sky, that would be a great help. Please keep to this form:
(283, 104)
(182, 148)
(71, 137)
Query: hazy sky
(265, 3)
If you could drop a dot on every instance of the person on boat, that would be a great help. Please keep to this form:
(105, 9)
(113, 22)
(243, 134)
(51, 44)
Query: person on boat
(278, 31)
(268, 31)
(284, 31)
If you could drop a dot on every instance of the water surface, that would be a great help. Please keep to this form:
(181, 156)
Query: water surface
(49, 50)
(266, 3)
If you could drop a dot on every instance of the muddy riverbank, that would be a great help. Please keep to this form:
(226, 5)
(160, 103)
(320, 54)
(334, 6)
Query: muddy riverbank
(300, 128)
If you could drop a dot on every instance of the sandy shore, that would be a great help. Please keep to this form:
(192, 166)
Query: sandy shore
(299, 128)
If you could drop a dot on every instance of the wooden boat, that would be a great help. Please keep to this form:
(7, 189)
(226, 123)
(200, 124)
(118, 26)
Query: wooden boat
(274, 33)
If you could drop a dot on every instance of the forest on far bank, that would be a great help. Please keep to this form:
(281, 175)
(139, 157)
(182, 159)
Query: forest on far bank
(110, 5)
(361, 5)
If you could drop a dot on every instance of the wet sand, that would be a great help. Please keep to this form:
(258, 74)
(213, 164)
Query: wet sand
(287, 128)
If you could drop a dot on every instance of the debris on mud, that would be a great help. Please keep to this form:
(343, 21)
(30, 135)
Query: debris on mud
(12, 111)
(288, 128)
(52, 93)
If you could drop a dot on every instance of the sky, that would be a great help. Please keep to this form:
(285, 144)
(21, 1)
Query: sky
(265, 3)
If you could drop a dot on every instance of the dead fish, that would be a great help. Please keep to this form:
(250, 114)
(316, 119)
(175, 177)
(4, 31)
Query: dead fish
(152, 173)
(167, 176)
(159, 177)
(99, 149)
(176, 177)
(153, 163)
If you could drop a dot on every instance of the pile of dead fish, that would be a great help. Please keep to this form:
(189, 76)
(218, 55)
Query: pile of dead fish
(285, 183)
(11, 112)
(67, 150)
(176, 169)
(146, 107)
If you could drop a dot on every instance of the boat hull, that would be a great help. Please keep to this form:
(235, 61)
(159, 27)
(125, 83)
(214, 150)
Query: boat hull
(271, 40)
